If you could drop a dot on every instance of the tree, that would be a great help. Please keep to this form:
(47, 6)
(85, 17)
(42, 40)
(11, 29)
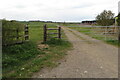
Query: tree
(106, 18)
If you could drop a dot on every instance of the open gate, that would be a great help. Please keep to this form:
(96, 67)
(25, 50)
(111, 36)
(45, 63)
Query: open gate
(46, 32)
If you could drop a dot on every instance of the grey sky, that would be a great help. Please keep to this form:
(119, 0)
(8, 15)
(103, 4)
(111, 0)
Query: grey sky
(55, 10)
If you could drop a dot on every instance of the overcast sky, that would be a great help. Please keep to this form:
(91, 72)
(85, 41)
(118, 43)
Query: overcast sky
(55, 10)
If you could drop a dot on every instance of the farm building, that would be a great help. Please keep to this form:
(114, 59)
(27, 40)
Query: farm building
(89, 22)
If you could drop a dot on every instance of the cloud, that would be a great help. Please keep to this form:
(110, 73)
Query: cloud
(20, 6)
(55, 10)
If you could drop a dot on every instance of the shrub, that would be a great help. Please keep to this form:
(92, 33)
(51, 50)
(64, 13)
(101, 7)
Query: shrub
(9, 32)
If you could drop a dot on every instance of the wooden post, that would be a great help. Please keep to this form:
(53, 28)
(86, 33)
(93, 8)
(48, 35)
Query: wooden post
(17, 35)
(119, 34)
(26, 33)
(59, 32)
(45, 33)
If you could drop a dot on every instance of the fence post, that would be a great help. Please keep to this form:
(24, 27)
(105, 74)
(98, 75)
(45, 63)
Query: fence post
(45, 33)
(59, 32)
(17, 35)
(26, 33)
(119, 34)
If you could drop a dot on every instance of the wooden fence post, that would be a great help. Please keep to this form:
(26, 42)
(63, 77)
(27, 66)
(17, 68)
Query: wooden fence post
(26, 33)
(17, 34)
(59, 32)
(45, 33)
(119, 34)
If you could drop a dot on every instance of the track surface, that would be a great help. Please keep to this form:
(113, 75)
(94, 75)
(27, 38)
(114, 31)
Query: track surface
(89, 58)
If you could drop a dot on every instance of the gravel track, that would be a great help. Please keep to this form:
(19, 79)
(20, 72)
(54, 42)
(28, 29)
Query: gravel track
(89, 58)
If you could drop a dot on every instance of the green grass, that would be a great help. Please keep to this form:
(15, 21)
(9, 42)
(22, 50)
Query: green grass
(36, 34)
(17, 55)
(24, 60)
(113, 42)
(95, 33)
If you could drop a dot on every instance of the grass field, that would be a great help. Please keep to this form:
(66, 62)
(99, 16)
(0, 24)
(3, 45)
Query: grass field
(96, 32)
(24, 59)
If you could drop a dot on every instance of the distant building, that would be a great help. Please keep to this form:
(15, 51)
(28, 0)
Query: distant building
(89, 22)
(49, 21)
(34, 21)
